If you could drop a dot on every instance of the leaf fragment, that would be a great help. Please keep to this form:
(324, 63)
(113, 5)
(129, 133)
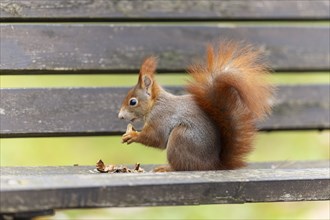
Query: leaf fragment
(102, 168)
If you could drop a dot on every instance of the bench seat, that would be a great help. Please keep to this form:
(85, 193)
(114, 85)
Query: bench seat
(31, 189)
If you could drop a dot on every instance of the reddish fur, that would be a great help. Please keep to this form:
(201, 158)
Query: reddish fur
(148, 68)
(233, 90)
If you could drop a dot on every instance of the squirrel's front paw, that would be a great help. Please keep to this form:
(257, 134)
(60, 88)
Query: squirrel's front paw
(129, 137)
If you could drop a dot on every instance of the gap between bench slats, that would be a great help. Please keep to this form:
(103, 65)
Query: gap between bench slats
(93, 111)
(82, 10)
(96, 48)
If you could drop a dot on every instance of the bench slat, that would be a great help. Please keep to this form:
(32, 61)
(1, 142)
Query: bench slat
(23, 10)
(88, 170)
(93, 111)
(96, 48)
(32, 192)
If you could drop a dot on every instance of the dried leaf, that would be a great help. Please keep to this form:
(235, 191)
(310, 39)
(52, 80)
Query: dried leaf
(102, 168)
(138, 168)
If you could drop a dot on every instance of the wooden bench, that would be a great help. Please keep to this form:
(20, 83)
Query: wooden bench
(106, 37)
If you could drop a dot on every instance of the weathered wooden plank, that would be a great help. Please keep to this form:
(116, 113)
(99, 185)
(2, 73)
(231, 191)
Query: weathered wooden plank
(27, 215)
(89, 170)
(93, 111)
(22, 10)
(96, 48)
(300, 107)
(22, 193)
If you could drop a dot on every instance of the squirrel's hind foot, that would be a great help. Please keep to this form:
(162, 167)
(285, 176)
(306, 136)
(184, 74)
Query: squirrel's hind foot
(162, 169)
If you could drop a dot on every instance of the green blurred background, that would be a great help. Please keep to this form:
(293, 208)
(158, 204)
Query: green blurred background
(273, 146)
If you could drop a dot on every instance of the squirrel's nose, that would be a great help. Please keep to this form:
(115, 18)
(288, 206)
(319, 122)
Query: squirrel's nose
(120, 115)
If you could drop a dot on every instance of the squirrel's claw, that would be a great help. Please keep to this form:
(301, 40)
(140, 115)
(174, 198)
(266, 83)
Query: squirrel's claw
(127, 138)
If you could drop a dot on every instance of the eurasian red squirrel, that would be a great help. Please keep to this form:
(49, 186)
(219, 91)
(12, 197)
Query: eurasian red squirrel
(213, 126)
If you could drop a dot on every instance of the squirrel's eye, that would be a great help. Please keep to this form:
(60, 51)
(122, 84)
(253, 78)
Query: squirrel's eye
(133, 102)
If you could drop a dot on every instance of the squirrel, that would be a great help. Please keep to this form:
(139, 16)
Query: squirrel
(213, 126)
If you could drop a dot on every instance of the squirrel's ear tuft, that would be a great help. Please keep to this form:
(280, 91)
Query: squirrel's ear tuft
(149, 66)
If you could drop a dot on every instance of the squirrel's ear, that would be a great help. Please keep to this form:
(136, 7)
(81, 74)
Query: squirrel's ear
(146, 84)
(146, 75)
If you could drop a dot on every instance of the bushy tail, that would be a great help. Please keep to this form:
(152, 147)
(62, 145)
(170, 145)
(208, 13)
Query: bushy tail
(233, 89)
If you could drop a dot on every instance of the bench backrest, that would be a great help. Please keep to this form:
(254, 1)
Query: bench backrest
(106, 37)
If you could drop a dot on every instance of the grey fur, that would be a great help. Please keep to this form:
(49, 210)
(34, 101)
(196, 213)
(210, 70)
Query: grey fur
(198, 135)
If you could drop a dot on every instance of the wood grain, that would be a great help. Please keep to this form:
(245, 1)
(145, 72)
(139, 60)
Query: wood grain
(89, 170)
(93, 111)
(105, 48)
(41, 10)
(74, 189)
